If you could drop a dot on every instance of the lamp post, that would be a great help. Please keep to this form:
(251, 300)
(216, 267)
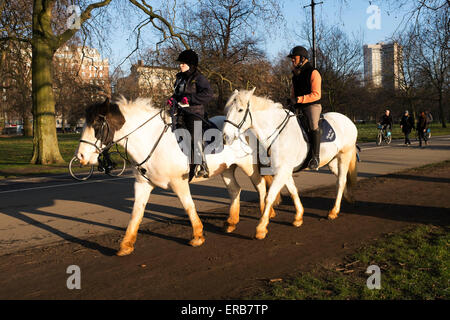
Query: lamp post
(312, 5)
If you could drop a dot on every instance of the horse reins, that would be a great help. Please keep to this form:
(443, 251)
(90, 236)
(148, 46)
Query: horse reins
(279, 128)
(109, 145)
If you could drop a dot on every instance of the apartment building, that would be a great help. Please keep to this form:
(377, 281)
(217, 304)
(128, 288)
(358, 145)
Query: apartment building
(383, 65)
(147, 81)
(86, 62)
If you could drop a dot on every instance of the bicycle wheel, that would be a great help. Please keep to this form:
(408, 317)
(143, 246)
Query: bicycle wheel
(379, 138)
(78, 171)
(388, 139)
(119, 164)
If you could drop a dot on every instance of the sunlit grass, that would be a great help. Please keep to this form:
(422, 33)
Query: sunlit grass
(368, 132)
(414, 266)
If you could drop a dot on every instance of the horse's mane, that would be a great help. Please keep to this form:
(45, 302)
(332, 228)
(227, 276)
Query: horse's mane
(263, 103)
(131, 106)
(257, 103)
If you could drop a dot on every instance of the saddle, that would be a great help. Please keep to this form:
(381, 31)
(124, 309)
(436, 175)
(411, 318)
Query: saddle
(327, 135)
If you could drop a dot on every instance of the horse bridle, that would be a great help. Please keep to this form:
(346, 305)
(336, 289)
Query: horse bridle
(138, 166)
(278, 130)
(247, 113)
(104, 123)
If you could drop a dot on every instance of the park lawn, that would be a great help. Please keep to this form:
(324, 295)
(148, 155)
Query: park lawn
(368, 132)
(414, 266)
(16, 152)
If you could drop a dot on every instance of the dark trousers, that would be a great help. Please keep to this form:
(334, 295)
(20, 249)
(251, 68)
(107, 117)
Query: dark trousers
(407, 141)
(421, 135)
(192, 119)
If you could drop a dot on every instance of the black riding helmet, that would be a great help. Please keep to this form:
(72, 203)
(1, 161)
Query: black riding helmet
(189, 57)
(298, 51)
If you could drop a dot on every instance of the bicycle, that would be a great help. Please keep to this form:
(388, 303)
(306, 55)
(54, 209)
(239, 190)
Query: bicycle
(111, 163)
(383, 135)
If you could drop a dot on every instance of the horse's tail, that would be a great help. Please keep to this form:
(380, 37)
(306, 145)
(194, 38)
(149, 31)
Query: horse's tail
(352, 176)
(269, 180)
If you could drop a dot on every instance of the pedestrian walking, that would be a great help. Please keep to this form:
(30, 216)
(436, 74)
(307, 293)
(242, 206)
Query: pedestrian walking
(407, 124)
(422, 125)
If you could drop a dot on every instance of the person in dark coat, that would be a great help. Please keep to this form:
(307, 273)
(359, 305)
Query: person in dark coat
(407, 124)
(422, 126)
(387, 121)
(193, 92)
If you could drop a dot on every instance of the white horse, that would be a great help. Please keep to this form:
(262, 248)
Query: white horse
(278, 130)
(144, 131)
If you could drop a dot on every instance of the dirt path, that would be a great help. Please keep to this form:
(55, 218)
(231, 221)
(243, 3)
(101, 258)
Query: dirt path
(163, 266)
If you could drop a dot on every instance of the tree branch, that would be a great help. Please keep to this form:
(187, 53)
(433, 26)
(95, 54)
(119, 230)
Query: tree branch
(85, 15)
(149, 10)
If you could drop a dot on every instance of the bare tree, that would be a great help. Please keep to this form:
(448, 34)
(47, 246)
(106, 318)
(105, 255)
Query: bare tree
(433, 54)
(46, 39)
(15, 56)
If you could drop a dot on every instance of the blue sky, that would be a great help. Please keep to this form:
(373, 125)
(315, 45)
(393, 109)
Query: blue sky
(349, 15)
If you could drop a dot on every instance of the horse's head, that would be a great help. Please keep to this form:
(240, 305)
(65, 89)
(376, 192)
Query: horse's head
(102, 121)
(238, 114)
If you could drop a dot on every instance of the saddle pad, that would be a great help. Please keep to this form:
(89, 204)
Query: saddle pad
(328, 133)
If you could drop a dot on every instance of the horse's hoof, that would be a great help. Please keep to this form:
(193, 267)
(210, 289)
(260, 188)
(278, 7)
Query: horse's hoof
(124, 251)
(229, 228)
(260, 235)
(197, 242)
(333, 215)
(297, 223)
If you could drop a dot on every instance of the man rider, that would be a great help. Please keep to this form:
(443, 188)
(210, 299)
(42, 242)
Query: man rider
(193, 91)
(386, 120)
(306, 93)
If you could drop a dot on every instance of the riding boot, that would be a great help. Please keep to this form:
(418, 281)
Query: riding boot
(315, 148)
(201, 170)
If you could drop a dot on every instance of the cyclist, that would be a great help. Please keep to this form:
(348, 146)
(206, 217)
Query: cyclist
(108, 164)
(386, 121)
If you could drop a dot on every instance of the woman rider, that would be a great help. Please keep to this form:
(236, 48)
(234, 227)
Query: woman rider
(306, 93)
(193, 92)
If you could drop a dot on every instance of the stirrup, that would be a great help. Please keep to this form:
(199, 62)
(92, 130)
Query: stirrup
(314, 164)
(201, 171)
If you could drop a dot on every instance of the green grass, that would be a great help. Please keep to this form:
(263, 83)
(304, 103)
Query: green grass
(368, 132)
(414, 265)
(16, 152)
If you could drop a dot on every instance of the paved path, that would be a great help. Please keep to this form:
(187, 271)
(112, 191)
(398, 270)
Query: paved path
(41, 211)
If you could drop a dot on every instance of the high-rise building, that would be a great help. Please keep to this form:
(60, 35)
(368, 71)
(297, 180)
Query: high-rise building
(372, 65)
(383, 65)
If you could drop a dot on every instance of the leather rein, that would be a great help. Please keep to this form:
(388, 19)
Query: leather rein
(142, 171)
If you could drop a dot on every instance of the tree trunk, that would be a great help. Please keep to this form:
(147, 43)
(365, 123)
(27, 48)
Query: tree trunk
(27, 127)
(441, 110)
(45, 140)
